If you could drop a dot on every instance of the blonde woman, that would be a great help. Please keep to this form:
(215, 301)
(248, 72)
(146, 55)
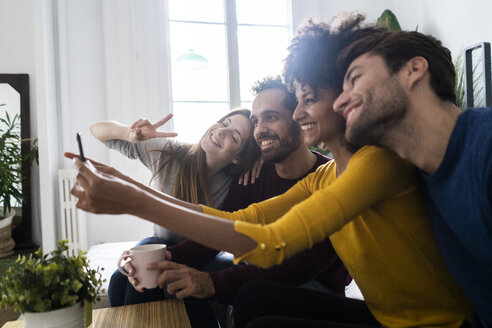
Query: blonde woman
(196, 173)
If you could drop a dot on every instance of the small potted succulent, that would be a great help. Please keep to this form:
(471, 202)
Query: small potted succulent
(51, 290)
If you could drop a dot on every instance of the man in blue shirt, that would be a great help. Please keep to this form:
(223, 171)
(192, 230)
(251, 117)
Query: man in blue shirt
(399, 93)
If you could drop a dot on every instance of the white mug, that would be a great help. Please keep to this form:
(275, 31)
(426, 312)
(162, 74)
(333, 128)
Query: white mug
(141, 256)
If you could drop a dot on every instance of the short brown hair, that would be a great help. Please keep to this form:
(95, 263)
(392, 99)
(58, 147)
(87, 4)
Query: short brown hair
(398, 47)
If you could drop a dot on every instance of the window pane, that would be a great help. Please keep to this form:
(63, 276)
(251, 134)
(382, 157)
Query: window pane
(265, 12)
(247, 104)
(197, 10)
(191, 120)
(261, 52)
(206, 84)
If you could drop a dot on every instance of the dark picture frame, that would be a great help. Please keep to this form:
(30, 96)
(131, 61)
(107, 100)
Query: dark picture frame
(484, 79)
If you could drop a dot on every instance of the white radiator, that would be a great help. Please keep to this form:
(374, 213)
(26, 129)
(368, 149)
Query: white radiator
(73, 224)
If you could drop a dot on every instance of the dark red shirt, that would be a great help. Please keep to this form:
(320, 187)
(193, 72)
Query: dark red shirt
(320, 262)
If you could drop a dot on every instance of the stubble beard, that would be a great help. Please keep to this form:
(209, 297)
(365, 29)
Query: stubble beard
(379, 114)
(287, 145)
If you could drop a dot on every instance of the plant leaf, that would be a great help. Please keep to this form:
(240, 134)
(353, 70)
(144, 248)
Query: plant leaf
(389, 20)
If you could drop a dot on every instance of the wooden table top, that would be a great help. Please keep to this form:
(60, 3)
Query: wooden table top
(165, 314)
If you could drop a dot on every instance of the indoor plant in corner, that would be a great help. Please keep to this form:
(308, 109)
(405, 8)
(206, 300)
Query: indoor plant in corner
(51, 290)
(11, 160)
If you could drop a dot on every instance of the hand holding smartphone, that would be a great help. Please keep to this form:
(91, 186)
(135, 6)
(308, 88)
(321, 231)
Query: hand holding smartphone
(81, 150)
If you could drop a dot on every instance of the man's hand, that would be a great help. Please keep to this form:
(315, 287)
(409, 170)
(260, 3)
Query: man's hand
(183, 280)
(254, 173)
(143, 129)
(108, 170)
(99, 192)
(130, 269)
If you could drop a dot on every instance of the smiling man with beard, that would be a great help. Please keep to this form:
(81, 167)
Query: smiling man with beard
(399, 93)
(286, 160)
(275, 132)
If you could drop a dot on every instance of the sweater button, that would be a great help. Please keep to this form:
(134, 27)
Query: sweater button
(262, 246)
(284, 244)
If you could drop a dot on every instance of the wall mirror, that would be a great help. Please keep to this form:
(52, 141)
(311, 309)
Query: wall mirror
(14, 98)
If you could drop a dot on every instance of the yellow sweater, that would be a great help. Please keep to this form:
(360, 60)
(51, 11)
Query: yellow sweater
(375, 217)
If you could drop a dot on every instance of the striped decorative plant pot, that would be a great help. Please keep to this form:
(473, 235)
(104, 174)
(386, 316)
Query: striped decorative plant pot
(68, 317)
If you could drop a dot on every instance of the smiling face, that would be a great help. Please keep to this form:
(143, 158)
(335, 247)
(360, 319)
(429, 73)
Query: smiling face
(315, 115)
(372, 102)
(274, 130)
(224, 141)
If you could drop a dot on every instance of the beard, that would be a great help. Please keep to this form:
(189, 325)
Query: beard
(384, 107)
(287, 144)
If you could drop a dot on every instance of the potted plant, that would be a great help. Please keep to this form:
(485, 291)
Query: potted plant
(51, 290)
(11, 160)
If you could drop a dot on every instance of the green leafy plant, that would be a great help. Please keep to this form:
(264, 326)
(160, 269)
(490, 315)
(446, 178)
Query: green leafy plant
(322, 150)
(39, 283)
(460, 81)
(389, 20)
(11, 160)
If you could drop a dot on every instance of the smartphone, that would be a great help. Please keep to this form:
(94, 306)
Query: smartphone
(81, 150)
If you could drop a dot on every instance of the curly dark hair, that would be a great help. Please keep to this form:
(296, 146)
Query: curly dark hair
(276, 82)
(314, 50)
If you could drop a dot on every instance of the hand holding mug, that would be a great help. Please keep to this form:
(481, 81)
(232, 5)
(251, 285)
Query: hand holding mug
(184, 281)
(140, 257)
(128, 267)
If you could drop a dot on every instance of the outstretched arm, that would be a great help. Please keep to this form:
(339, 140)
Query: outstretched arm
(102, 193)
(111, 171)
(140, 130)
(104, 131)
(278, 228)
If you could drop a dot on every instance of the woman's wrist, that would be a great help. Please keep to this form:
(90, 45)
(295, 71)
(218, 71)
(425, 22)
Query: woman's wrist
(127, 133)
(143, 204)
(136, 200)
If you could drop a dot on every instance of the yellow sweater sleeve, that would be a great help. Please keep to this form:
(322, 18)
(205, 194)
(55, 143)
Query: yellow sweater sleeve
(325, 204)
(267, 211)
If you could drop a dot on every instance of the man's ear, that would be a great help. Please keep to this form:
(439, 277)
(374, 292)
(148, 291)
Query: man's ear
(415, 70)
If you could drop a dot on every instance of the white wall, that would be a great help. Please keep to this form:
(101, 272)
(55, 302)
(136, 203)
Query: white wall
(457, 24)
(94, 60)
(60, 44)
(109, 70)
(17, 55)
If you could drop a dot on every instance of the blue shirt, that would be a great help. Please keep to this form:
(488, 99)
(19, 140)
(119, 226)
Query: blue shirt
(459, 198)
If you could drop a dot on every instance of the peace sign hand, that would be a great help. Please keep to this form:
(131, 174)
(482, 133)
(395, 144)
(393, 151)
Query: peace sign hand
(143, 129)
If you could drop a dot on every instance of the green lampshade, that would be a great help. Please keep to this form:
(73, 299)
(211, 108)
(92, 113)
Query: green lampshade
(191, 60)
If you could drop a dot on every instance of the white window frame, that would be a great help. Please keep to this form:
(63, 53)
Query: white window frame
(232, 46)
